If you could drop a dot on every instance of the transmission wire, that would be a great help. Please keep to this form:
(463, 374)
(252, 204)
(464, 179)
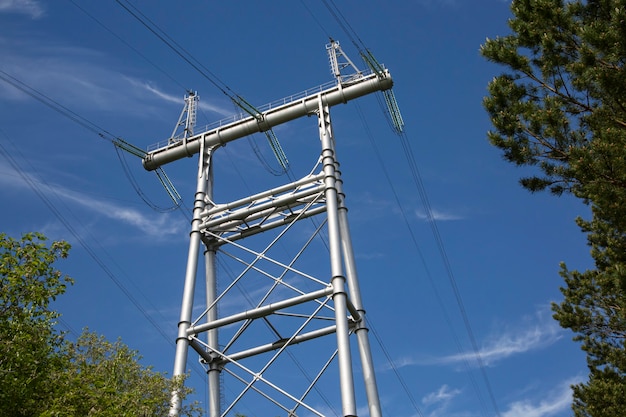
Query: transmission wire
(137, 51)
(56, 106)
(345, 25)
(131, 179)
(187, 57)
(417, 179)
(208, 75)
(85, 123)
(175, 47)
(315, 19)
(86, 246)
(90, 251)
(117, 141)
(446, 316)
(358, 43)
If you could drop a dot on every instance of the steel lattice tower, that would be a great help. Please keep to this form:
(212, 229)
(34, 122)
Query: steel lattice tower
(288, 300)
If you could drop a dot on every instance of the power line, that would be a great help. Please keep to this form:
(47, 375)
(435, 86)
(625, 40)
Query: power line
(416, 176)
(88, 248)
(102, 133)
(417, 179)
(56, 106)
(208, 75)
(315, 19)
(344, 24)
(117, 141)
(137, 51)
(179, 50)
(131, 179)
(34, 186)
(416, 245)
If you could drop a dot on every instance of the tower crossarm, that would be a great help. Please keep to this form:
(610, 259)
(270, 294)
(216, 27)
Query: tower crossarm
(307, 105)
(267, 210)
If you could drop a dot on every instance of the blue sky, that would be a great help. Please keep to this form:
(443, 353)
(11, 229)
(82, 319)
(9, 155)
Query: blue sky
(503, 244)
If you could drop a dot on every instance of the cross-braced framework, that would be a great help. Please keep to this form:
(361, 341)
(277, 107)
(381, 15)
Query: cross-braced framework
(279, 322)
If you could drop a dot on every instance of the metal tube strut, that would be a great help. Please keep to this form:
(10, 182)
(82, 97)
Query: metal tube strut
(195, 239)
(338, 281)
(341, 93)
(361, 331)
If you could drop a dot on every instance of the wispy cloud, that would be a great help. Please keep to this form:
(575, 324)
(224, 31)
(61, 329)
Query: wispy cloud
(207, 106)
(534, 333)
(440, 403)
(31, 8)
(550, 402)
(556, 401)
(437, 215)
(152, 225)
(443, 395)
(71, 74)
(510, 342)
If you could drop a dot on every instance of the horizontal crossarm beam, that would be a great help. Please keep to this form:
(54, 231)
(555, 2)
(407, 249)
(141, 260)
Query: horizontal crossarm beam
(340, 93)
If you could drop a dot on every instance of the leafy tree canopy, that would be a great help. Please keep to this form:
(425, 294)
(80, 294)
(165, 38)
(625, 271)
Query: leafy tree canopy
(28, 343)
(42, 372)
(100, 378)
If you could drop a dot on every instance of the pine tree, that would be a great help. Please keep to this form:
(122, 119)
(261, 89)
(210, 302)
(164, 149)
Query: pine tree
(561, 107)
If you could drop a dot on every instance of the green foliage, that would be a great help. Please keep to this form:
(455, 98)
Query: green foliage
(100, 378)
(561, 107)
(565, 90)
(28, 342)
(44, 374)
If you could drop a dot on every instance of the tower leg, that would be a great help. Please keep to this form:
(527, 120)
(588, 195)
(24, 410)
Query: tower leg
(340, 298)
(369, 376)
(182, 340)
(212, 338)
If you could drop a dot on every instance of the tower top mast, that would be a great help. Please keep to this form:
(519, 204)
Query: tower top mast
(339, 61)
(187, 119)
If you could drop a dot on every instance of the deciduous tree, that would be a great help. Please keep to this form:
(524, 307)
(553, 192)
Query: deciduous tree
(99, 378)
(29, 345)
(43, 373)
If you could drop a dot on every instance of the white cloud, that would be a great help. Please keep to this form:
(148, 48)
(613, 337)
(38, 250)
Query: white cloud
(510, 343)
(180, 99)
(437, 215)
(535, 333)
(443, 395)
(88, 77)
(70, 76)
(31, 8)
(554, 402)
(154, 226)
(437, 403)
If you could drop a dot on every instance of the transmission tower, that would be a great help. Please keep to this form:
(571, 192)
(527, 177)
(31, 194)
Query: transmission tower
(282, 324)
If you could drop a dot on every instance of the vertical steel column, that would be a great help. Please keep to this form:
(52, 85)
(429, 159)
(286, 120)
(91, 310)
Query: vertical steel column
(182, 341)
(369, 376)
(212, 335)
(338, 281)
(212, 339)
